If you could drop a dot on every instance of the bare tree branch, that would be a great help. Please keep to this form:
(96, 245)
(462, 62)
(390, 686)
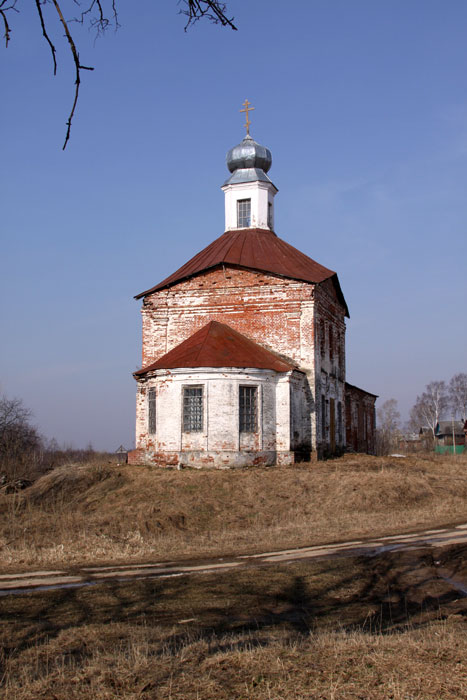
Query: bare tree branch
(19, 440)
(458, 395)
(44, 32)
(78, 68)
(7, 28)
(213, 10)
(387, 431)
(3, 11)
(429, 407)
(100, 15)
(100, 22)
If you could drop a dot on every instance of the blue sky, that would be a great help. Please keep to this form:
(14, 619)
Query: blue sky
(363, 104)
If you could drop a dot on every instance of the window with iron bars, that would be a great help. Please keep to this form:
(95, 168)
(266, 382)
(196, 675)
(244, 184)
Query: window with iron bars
(243, 213)
(192, 409)
(248, 409)
(151, 411)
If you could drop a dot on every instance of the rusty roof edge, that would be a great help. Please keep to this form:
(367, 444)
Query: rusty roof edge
(363, 391)
(170, 282)
(200, 254)
(143, 372)
(149, 370)
(158, 287)
(280, 356)
(340, 293)
(245, 267)
(226, 233)
(290, 364)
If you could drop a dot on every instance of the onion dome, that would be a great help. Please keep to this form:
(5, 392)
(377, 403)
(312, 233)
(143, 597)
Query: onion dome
(249, 154)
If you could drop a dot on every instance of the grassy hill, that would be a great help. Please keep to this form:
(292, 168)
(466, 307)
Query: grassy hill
(344, 628)
(100, 512)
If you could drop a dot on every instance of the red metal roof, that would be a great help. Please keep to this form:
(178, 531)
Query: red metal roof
(218, 345)
(255, 249)
(352, 387)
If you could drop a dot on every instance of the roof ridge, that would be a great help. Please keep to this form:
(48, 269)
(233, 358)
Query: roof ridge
(232, 242)
(242, 247)
(206, 328)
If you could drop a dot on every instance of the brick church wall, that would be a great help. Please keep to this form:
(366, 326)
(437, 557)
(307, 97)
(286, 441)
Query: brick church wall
(360, 419)
(329, 415)
(275, 312)
(302, 321)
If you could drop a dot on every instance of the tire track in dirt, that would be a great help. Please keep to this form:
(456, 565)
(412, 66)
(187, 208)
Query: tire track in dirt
(22, 583)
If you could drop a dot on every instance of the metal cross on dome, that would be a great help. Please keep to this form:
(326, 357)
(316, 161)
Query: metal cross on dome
(247, 104)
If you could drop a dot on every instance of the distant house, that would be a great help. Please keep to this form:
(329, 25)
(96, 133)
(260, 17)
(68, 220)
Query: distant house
(410, 442)
(451, 437)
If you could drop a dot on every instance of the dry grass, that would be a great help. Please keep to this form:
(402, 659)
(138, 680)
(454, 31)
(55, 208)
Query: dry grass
(100, 513)
(141, 663)
(314, 631)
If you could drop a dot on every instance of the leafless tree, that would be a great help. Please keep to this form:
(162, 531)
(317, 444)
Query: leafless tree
(20, 443)
(388, 421)
(99, 15)
(429, 407)
(458, 395)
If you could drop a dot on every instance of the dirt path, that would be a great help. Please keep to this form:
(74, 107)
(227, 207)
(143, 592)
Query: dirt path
(88, 576)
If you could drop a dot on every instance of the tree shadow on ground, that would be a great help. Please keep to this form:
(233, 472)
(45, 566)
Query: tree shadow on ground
(374, 594)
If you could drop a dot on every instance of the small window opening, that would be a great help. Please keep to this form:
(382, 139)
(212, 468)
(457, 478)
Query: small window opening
(248, 409)
(270, 215)
(243, 213)
(192, 409)
(152, 411)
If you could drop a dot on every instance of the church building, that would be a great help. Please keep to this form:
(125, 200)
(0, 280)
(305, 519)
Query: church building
(244, 346)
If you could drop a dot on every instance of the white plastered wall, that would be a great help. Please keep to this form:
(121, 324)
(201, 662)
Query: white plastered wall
(220, 442)
(261, 195)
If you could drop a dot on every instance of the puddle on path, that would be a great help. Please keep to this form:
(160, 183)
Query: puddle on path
(122, 567)
(461, 587)
(384, 548)
(123, 573)
(52, 587)
(81, 584)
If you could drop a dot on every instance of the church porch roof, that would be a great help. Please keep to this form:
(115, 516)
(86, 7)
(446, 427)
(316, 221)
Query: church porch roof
(219, 345)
